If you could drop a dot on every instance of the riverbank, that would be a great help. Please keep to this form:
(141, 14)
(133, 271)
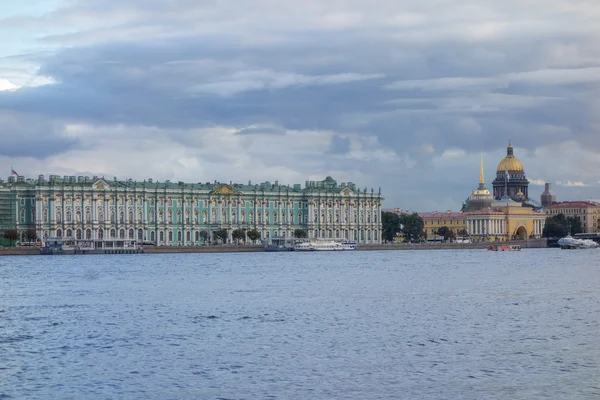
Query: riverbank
(535, 243)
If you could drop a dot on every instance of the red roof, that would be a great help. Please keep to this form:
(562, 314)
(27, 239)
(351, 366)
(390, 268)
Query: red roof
(436, 214)
(564, 204)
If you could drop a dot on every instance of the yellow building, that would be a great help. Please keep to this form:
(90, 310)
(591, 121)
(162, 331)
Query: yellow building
(505, 220)
(588, 213)
(455, 221)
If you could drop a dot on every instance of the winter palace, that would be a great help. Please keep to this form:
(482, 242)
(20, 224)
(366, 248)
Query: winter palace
(176, 214)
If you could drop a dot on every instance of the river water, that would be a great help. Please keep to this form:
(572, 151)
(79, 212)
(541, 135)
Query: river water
(467, 324)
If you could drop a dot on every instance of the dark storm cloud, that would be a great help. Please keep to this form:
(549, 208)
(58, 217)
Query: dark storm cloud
(410, 84)
(26, 135)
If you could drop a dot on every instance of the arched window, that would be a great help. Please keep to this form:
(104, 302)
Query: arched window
(100, 234)
(88, 234)
(188, 236)
(59, 216)
(78, 216)
(69, 217)
(59, 233)
(162, 236)
(130, 214)
(170, 236)
(78, 234)
(113, 234)
(122, 234)
(131, 234)
(88, 216)
(152, 236)
(179, 236)
(69, 233)
(140, 234)
(197, 236)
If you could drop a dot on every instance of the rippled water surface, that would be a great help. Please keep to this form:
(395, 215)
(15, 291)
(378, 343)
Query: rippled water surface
(467, 324)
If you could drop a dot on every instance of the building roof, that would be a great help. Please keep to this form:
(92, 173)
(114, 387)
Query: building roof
(565, 204)
(447, 214)
(510, 162)
(326, 186)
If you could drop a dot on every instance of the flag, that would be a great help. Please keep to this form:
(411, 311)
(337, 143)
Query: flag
(13, 172)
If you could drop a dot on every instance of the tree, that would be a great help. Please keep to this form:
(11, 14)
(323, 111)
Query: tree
(462, 233)
(560, 226)
(575, 225)
(390, 223)
(30, 234)
(238, 234)
(300, 233)
(411, 226)
(11, 235)
(253, 235)
(444, 232)
(221, 234)
(204, 235)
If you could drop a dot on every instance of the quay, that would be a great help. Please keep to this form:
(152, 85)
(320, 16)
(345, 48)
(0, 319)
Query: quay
(525, 244)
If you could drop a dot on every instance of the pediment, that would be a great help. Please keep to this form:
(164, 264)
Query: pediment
(100, 184)
(346, 191)
(225, 189)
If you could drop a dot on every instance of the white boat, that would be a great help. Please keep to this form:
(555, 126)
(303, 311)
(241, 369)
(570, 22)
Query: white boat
(570, 242)
(319, 245)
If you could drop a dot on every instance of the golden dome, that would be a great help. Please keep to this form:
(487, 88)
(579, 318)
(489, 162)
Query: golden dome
(510, 162)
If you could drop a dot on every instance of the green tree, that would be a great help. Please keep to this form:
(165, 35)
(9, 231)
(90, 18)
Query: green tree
(560, 226)
(204, 235)
(462, 233)
(11, 235)
(300, 233)
(574, 225)
(390, 223)
(221, 234)
(411, 226)
(444, 232)
(253, 235)
(238, 234)
(30, 235)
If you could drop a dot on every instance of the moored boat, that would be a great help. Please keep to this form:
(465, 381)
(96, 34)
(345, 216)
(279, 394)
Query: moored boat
(323, 245)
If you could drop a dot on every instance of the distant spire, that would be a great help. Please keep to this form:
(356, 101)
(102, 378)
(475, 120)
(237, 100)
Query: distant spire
(481, 178)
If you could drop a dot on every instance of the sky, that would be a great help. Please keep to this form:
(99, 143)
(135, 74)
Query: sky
(404, 95)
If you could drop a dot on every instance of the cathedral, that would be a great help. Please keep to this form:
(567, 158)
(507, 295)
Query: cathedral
(510, 178)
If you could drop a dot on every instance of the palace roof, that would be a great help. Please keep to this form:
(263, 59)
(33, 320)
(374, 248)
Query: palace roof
(326, 186)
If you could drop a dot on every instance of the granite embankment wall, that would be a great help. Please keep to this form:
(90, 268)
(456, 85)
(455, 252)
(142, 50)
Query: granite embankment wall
(204, 249)
(536, 243)
(526, 244)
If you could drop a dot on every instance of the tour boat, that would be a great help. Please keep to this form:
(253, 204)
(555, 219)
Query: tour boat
(504, 247)
(571, 243)
(59, 245)
(318, 245)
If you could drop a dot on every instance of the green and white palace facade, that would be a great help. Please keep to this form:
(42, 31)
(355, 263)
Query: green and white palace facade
(176, 214)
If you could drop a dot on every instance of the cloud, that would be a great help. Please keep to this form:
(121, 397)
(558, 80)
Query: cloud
(6, 85)
(536, 182)
(402, 95)
(269, 80)
(571, 183)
